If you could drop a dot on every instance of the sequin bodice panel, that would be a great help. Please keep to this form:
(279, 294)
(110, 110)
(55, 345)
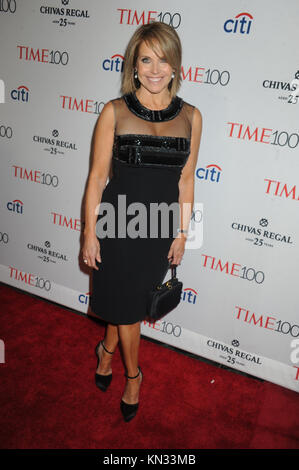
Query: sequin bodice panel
(149, 150)
(146, 138)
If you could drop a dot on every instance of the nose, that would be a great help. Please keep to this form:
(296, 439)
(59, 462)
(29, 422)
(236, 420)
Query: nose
(155, 67)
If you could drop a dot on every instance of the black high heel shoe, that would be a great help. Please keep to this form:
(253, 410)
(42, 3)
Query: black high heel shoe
(102, 381)
(129, 411)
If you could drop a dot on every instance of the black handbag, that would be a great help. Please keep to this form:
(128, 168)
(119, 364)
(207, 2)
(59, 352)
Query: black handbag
(165, 297)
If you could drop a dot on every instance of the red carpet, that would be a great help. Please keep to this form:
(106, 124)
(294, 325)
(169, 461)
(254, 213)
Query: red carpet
(49, 399)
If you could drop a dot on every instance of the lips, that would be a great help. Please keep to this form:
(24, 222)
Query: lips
(155, 80)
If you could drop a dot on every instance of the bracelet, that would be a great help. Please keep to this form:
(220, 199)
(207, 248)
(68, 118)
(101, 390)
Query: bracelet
(185, 232)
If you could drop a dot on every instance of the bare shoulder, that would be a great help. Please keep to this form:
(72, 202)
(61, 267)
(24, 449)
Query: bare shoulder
(194, 110)
(106, 118)
(108, 109)
(194, 115)
(196, 129)
(197, 118)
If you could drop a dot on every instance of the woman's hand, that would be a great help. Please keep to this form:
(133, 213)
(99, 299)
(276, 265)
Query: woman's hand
(91, 251)
(177, 250)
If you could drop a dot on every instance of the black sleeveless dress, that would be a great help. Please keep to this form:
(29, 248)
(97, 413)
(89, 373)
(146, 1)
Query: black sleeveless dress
(149, 152)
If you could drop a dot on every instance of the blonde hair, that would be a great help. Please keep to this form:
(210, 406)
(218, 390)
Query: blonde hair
(153, 34)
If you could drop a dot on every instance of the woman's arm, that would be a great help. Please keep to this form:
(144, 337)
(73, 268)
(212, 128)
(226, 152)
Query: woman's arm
(186, 183)
(97, 179)
(186, 189)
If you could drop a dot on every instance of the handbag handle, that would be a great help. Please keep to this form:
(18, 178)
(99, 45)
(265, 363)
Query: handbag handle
(173, 269)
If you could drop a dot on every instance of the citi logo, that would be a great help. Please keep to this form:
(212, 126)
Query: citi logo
(240, 24)
(15, 206)
(114, 64)
(189, 295)
(20, 94)
(83, 298)
(211, 173)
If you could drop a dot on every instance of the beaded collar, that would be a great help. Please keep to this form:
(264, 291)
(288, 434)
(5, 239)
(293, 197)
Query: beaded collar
(141, 111)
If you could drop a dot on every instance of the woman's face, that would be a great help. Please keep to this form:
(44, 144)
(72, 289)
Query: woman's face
(154, 73)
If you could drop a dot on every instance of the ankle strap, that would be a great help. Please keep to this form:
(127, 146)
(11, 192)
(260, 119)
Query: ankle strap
(128, 377)
(106, 349)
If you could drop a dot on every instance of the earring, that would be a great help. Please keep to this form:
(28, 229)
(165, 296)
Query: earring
(173, 74)
(135, 74)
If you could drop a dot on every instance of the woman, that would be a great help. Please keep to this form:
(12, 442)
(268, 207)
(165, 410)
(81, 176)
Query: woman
(150, 139)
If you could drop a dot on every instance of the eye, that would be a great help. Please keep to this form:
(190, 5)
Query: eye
(163, 60)
(145, 60)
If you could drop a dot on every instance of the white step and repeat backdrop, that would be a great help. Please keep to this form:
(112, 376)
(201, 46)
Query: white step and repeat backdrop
(61, 61)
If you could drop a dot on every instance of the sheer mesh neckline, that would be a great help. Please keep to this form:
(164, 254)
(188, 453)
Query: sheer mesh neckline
(162, 115)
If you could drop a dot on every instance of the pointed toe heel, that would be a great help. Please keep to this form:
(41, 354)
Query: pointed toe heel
(129, 411)
(102, 381)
